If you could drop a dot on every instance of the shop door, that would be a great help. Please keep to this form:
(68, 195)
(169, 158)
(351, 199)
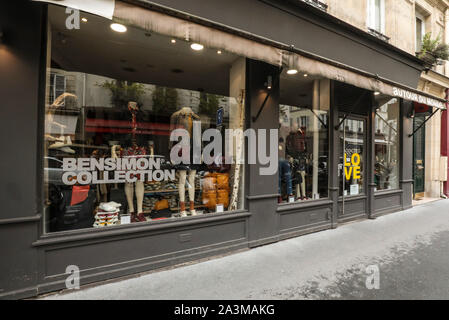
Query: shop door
(351, 167)
(419, 150)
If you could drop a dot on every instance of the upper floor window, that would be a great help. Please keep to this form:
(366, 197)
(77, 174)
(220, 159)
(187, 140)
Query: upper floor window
(420, 31)
(376, 15)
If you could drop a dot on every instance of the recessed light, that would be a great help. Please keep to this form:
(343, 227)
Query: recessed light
(219, 51)
(292, 71)
(117, 27)
(376, 93)
(84, 19)
(173, 41)
(305, 75)
(197, 46)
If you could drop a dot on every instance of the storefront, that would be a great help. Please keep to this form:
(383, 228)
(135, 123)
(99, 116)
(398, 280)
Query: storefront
(97, 107)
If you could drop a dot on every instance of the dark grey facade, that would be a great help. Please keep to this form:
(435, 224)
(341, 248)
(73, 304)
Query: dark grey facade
(34, 263)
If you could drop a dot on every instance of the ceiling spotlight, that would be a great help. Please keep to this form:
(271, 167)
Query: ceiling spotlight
(197, 46)
(84, 19)
(305, 75)
(292, 71)
(219, 52)
(173, 41)
(117, 27)
(269, 83)
(376, 93)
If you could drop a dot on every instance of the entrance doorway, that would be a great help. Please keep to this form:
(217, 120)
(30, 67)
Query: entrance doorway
(419, 157)
(352, 155)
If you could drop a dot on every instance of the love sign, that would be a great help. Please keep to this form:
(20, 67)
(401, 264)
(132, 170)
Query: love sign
(353, 168)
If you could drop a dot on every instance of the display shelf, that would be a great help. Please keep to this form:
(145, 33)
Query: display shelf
(165, 191)
(197, 206)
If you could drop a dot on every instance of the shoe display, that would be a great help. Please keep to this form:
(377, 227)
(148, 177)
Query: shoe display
(107, 214)
(141, 217)
(57, 144)
(109, 207)
(62, 144)
(67, 150)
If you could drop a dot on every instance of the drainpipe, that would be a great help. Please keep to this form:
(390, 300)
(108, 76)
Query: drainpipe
(445, 141)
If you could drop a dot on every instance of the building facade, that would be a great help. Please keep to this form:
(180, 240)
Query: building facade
(404, 24)
(321, 111)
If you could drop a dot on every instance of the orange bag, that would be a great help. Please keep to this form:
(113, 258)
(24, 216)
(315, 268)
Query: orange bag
(209, 183)
(223, 197)
(209, 199)
(161, 205)
(223, 181)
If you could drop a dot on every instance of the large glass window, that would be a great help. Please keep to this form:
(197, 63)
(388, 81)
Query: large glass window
(303, 138)
(114, 102)
(386, 166)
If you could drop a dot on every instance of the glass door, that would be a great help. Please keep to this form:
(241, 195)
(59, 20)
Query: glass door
(351, 167)
(419, 150)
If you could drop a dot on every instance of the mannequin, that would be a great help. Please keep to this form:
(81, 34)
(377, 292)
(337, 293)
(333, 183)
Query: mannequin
(62, 142)
(138, 187)
(296, 148)
(301, 187)
(183, 119)
(284, 168)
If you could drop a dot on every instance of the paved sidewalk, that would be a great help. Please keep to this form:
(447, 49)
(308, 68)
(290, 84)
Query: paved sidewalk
(411, 249)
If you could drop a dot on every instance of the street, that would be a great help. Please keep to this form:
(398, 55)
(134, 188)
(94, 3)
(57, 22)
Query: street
(409, 248)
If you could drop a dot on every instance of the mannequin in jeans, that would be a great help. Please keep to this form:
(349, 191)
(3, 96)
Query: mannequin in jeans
(184, 119)
(296, 148)
(284, 168)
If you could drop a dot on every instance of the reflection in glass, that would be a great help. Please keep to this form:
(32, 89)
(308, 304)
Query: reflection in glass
(386, 166)
(303, 139)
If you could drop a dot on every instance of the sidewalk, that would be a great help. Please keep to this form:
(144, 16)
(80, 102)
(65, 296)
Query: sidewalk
(313, 266)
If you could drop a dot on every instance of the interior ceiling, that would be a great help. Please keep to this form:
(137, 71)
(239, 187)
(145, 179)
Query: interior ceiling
(147, 58)
(136, 55)
(296, 90)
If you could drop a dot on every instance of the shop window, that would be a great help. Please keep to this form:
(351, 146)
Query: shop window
(386, 166)
(303, 141)
(114, 103)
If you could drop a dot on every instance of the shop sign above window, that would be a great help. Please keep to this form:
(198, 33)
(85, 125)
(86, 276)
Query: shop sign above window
(401, 93)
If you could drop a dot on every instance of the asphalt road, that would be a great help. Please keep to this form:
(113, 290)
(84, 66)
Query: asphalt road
(410, 251)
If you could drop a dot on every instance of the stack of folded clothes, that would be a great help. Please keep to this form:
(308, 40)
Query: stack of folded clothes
(107, 214)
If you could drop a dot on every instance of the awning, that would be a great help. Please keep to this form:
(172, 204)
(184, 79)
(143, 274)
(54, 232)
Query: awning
(103, 8)
(241, 43)
(237, 42)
